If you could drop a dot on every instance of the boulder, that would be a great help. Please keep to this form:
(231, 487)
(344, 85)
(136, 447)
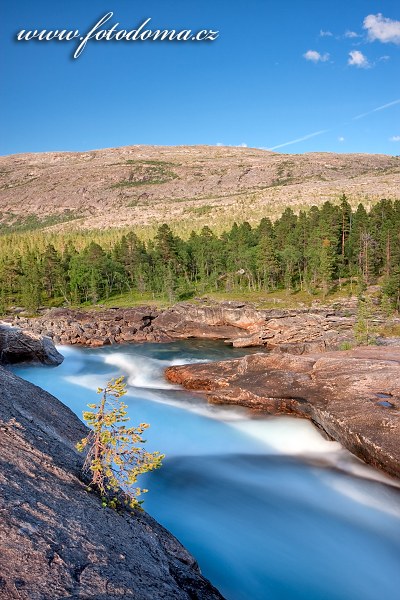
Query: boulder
(17, 345)
(224, 320)
(96, 342)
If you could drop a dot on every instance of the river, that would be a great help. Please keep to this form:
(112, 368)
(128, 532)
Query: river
(270, 509)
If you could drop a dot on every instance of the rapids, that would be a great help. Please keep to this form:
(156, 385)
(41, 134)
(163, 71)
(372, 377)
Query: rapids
(270, 509)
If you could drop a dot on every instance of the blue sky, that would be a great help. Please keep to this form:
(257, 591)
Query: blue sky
(279, 72)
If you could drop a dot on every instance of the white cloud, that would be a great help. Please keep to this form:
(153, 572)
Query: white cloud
(382, 29)
(358, 59)
(383, 107)
(302, 139)
(351, 34)
(394, 138)
(315, 56)
(341, 139)
(242, 145)
(323, 33)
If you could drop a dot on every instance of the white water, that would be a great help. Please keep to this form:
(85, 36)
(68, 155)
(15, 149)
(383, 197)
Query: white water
(269, 508)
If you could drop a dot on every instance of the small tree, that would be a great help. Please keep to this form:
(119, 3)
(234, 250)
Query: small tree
(364, 331)
(115, 458)
(386, 306)
(392, 287)
(3, 301)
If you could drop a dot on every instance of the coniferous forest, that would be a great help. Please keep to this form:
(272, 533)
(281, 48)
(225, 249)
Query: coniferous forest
(310, 251)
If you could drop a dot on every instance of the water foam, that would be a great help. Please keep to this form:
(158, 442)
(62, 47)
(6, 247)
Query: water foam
(286, 436)
(143, 371)
(281, 526)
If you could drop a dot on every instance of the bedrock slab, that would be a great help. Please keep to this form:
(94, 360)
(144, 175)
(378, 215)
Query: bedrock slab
(56, 540)
(353, 396)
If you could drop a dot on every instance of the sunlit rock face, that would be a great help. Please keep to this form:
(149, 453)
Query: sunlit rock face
(353, 396)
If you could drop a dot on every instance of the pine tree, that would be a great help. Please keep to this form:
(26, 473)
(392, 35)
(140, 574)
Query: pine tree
(267, 260)
(52, 271)
(392, 287)
(31, 282)
(115, 457)
(326, 264)
(345, 227)
(363, 328)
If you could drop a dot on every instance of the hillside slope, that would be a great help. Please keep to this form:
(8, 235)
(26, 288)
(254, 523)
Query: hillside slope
(192, 185)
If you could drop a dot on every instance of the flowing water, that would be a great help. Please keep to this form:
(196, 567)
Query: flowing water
(270, 509)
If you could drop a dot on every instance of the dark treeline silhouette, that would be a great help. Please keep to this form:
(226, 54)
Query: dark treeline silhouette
(309, 251)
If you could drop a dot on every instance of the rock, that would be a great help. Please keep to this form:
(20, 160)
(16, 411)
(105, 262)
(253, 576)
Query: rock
(56, 539)
(96, 342)
(88, 183)
(392, 341)
(223, 319)
(127, 336)
(257, 339)
(353, 396)
(181, 328)
(239, 324)
(17, 345)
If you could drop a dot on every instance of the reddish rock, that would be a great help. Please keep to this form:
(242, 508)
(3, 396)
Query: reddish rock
(353, 396)
(241, 325)
(96, 343)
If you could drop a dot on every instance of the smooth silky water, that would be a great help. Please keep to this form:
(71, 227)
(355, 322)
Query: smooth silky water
(270, 509)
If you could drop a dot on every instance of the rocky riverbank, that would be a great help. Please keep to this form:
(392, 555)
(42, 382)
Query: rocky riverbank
(352, 396)
(239, 324)
(56, 540)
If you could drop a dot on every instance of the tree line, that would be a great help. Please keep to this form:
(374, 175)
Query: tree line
(310, 251)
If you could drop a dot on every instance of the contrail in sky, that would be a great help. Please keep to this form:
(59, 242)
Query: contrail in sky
(311, 135)
(305, 137)
(388, 105)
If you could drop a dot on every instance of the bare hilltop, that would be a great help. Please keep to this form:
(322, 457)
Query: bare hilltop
(187, 185)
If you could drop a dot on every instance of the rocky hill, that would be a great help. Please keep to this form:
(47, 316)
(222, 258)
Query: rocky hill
(189, 185)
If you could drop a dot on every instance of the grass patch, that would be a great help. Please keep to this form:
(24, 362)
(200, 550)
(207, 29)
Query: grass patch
(20, 224)
(277, 299)
(199, 210)
(128, 300)
(389, 330)
(147, 172)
